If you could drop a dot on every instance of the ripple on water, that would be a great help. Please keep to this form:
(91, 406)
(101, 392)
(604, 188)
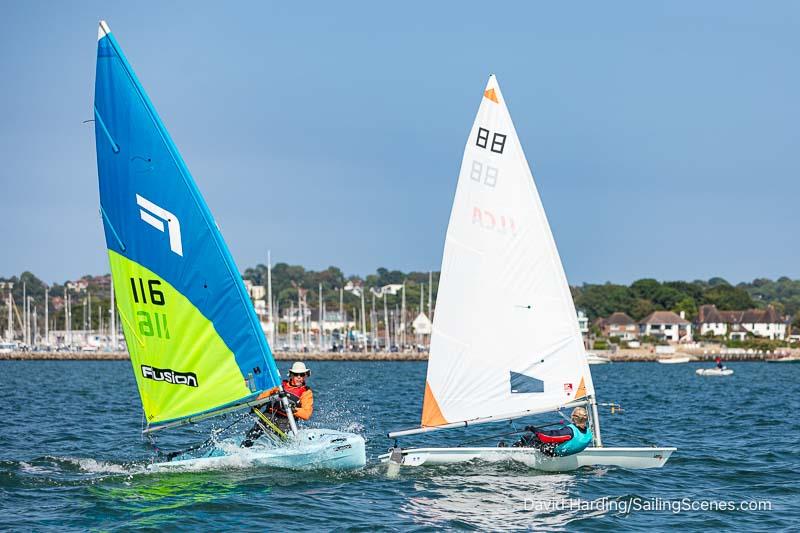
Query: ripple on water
(87, 466)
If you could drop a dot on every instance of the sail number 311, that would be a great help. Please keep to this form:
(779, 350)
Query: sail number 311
(150, 324)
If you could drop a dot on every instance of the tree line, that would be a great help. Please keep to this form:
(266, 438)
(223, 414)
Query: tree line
(638, 299)
(644, 296)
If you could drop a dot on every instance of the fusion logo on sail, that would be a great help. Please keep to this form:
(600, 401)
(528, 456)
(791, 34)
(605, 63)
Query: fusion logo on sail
(168, 375)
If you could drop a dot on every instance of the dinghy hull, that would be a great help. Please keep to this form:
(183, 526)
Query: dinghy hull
(714, 372)
(315, 449)
(633, 458)
(674, 360)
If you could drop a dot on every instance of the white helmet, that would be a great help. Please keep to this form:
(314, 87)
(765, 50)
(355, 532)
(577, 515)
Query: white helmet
(299, 368)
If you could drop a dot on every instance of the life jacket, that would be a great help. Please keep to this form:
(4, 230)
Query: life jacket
(577, 443)
(293, 393)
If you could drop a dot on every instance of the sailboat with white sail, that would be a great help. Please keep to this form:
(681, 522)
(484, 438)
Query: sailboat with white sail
(506, 343)
(195, 343)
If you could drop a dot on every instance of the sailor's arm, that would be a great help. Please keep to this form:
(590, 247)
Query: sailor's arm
(305, 407)
(267, 393)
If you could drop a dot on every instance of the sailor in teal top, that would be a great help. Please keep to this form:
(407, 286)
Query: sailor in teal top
(570, 439)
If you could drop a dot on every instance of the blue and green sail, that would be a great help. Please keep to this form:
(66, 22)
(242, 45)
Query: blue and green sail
(195, 342)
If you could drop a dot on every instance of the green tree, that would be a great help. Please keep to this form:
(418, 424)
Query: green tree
(688, 306)
(728, 298)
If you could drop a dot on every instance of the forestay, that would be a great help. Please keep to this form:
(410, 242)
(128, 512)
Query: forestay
(505, 333)
(195, 343)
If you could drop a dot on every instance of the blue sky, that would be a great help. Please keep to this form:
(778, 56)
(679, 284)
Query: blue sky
(663, 135)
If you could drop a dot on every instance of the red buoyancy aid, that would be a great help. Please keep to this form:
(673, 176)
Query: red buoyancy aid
(555, 439)
(294, 394)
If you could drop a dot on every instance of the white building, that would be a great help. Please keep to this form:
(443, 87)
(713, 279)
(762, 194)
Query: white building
(710, 321)
(666, 325)
(737, 325)
(583, 322)
(619, 325)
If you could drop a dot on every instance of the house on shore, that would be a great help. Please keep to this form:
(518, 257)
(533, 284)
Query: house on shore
(666, 325)
(736, 325)
(618, 325)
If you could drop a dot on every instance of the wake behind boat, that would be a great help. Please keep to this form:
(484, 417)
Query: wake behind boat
(311, 449)
(500, 255)
(195, 343)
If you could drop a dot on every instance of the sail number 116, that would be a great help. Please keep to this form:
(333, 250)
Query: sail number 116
(147, 288)
(147, 291)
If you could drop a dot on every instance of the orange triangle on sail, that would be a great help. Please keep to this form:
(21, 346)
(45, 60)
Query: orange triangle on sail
(581, 392)
(491, 95)
(431, 414)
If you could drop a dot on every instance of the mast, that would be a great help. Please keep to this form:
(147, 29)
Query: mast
(24, 313)
(421, 310)
(598, 441)
(324, 346)
(301, 317)
(47, 315)
(291, 326)
(341, 318)
(364, 321)
(66, 315)
(320, 319)
(430, 295)
(386, 325)
(113, 319)
(373, 318)
(278, 317)
(270, 314)
(10, 331)
(403, 319)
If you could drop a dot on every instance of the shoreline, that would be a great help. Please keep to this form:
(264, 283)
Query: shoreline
(279, 356)
(638, 357)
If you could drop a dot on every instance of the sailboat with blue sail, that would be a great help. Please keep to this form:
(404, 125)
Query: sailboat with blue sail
(195, 342)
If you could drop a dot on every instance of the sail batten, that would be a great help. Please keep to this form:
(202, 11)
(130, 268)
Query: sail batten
(505, 334)
(195, 342)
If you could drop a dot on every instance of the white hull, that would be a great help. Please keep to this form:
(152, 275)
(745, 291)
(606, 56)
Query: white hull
(594, 359)
(633, 458)
(713, 372)
(674, 360)
(316, 449)
(790, 359)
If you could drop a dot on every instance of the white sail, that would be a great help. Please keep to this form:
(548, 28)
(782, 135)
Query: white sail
(505, 335)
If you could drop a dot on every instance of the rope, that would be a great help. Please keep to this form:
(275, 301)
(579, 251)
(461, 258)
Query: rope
(506, 434)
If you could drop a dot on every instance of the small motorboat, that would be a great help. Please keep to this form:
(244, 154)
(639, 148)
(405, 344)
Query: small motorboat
(674, 360)
(787, 359)
(594, 359)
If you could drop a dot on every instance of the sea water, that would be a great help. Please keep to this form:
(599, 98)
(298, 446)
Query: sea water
(72, 458)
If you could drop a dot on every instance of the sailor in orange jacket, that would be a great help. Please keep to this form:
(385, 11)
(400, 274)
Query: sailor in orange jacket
(301, 400)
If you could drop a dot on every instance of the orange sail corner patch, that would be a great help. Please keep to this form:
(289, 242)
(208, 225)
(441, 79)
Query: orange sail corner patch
(431, 414)
(581, 390)
(491, 95)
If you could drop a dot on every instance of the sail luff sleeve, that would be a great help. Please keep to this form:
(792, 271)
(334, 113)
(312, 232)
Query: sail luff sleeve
(179, 290)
